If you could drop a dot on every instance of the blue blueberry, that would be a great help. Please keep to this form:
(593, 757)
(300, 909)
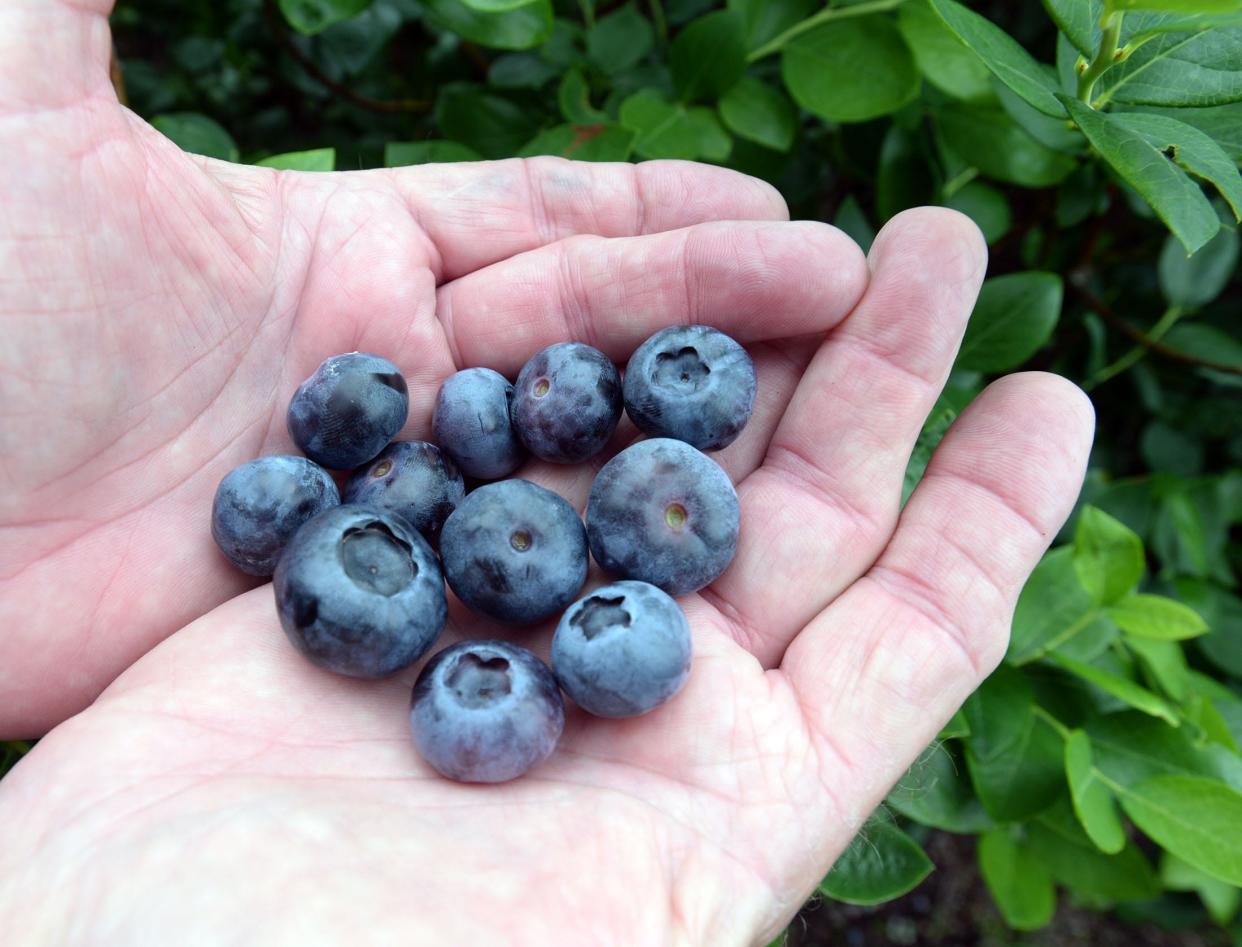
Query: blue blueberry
(359, 592)
(472, 424)
(414, 479)
(346, 412)
(567, 402)
(664, 513)
(260, 505)
(692, 383)
(623, 650)
(485, 711)
(514, 551)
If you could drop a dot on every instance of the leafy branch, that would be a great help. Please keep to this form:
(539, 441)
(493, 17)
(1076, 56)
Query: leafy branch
(777, 43)
(1105, 56)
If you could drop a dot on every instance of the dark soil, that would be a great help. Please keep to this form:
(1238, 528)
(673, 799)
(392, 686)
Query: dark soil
(951, 908)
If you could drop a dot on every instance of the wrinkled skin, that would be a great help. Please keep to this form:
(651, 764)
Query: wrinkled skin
(566, 402)
(486, 711)
(693, 383)
(665, 513)
(261, 504)
(158, 312)
(414, 479)
(473, 424)
(359, 592)
(514, 551)
(623, 650)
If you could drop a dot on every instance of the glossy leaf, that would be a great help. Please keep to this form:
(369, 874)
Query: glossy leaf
(1057, 841)
(1184, 69)
(490, 124)
(754, 110)
(946, 62)
(1130, 747)
(1155, 616)
(881, 863)
(522, 26)
(1194, 281)
(320, 159)
(399, 153)
(1164, 663)
(574, 97)
(1018, 883)
(850, 70)
(1108, 556)
(598, 142)
(986, 206)
(1052, 608)
(1124, 689)
(1198, 820)
(668, 130)
(619, 41)
(1003, 55)
(765, 19)
(1221, 899)
(1092, 800)
(988, 139)
(1175, 198)
(1013, 318)
(936, 791)
(197, 134)
(312, 16)
(708, 56)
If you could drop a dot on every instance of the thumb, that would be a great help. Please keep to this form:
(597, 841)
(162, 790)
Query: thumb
(53, 53)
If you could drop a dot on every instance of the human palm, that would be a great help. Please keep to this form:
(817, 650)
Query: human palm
(158, 311)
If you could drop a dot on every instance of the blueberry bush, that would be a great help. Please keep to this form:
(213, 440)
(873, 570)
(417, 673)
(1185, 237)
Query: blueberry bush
(1096, 144)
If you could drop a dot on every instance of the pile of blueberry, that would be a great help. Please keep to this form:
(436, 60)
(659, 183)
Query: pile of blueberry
(360, 588)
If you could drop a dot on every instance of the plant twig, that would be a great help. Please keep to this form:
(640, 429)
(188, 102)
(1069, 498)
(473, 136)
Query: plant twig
(777, 43)
(1105, 56)
(276, 23)
(1077, 283)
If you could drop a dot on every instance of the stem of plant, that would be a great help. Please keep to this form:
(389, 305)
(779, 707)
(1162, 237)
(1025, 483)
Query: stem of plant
(1059, 639)
(1105, 56)
(776, 44)
(1167, 321)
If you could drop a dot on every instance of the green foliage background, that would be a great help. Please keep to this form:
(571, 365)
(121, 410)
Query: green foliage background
(1096, 145)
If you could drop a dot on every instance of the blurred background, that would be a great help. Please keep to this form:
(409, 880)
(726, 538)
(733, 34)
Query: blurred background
(1031, 820)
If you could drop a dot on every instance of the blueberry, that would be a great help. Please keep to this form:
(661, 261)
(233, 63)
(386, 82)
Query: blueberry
(260, 505)
(413, 479)
(664, 513)
(346, 412)
(623, 650)
(692, 383)
(567, 403)
(359, 592)
(472, 424)
(485, 711)
(514, 551)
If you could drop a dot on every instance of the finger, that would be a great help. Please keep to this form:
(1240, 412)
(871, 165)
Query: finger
(755, 281)
(53, 54)
(480, 212)
(823, 503)
(882, 669)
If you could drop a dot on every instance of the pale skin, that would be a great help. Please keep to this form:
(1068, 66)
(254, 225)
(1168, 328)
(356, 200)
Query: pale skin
(200, 783)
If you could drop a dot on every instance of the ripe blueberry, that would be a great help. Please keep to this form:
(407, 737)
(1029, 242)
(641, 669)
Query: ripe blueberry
(472, 424)
(413, 479)
(567, 402)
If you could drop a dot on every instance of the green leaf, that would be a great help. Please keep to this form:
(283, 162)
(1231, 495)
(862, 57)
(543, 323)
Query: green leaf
(756, 111)
(955, 728)
(1207, 342)
(765, 19)
(850, 70)
(1177, 6)
(1192, 150)
(1176, 199)
(1219, 897)
(619, 41)
(1194, 281)
(986, 206)
(1165, 663)
(933, 431)
(947, 62)
(320, 159)
(1124, 689)
(1052, 608)
(1130, 748)
(1059, 134)
(1078, 20)
(400, 153)
(988, 139)
(574, 97)
(880, 864)
(1108, 556)
(1015, 758)
(197, 134)
(311, 16)
(1013, 318)
(1092, 800)
(1058, 842)
(905, 177)
(1223, 612)
(1183, 69)
(667, 130)
(1198, 820)
(1003, 55)
(1154, 616)
(493, 126)
(519, 71)
(522, 26)
(1223, 123)
(935, 791)
(599, 142)
(851, 219)
(1019, 884)
(708, 56)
